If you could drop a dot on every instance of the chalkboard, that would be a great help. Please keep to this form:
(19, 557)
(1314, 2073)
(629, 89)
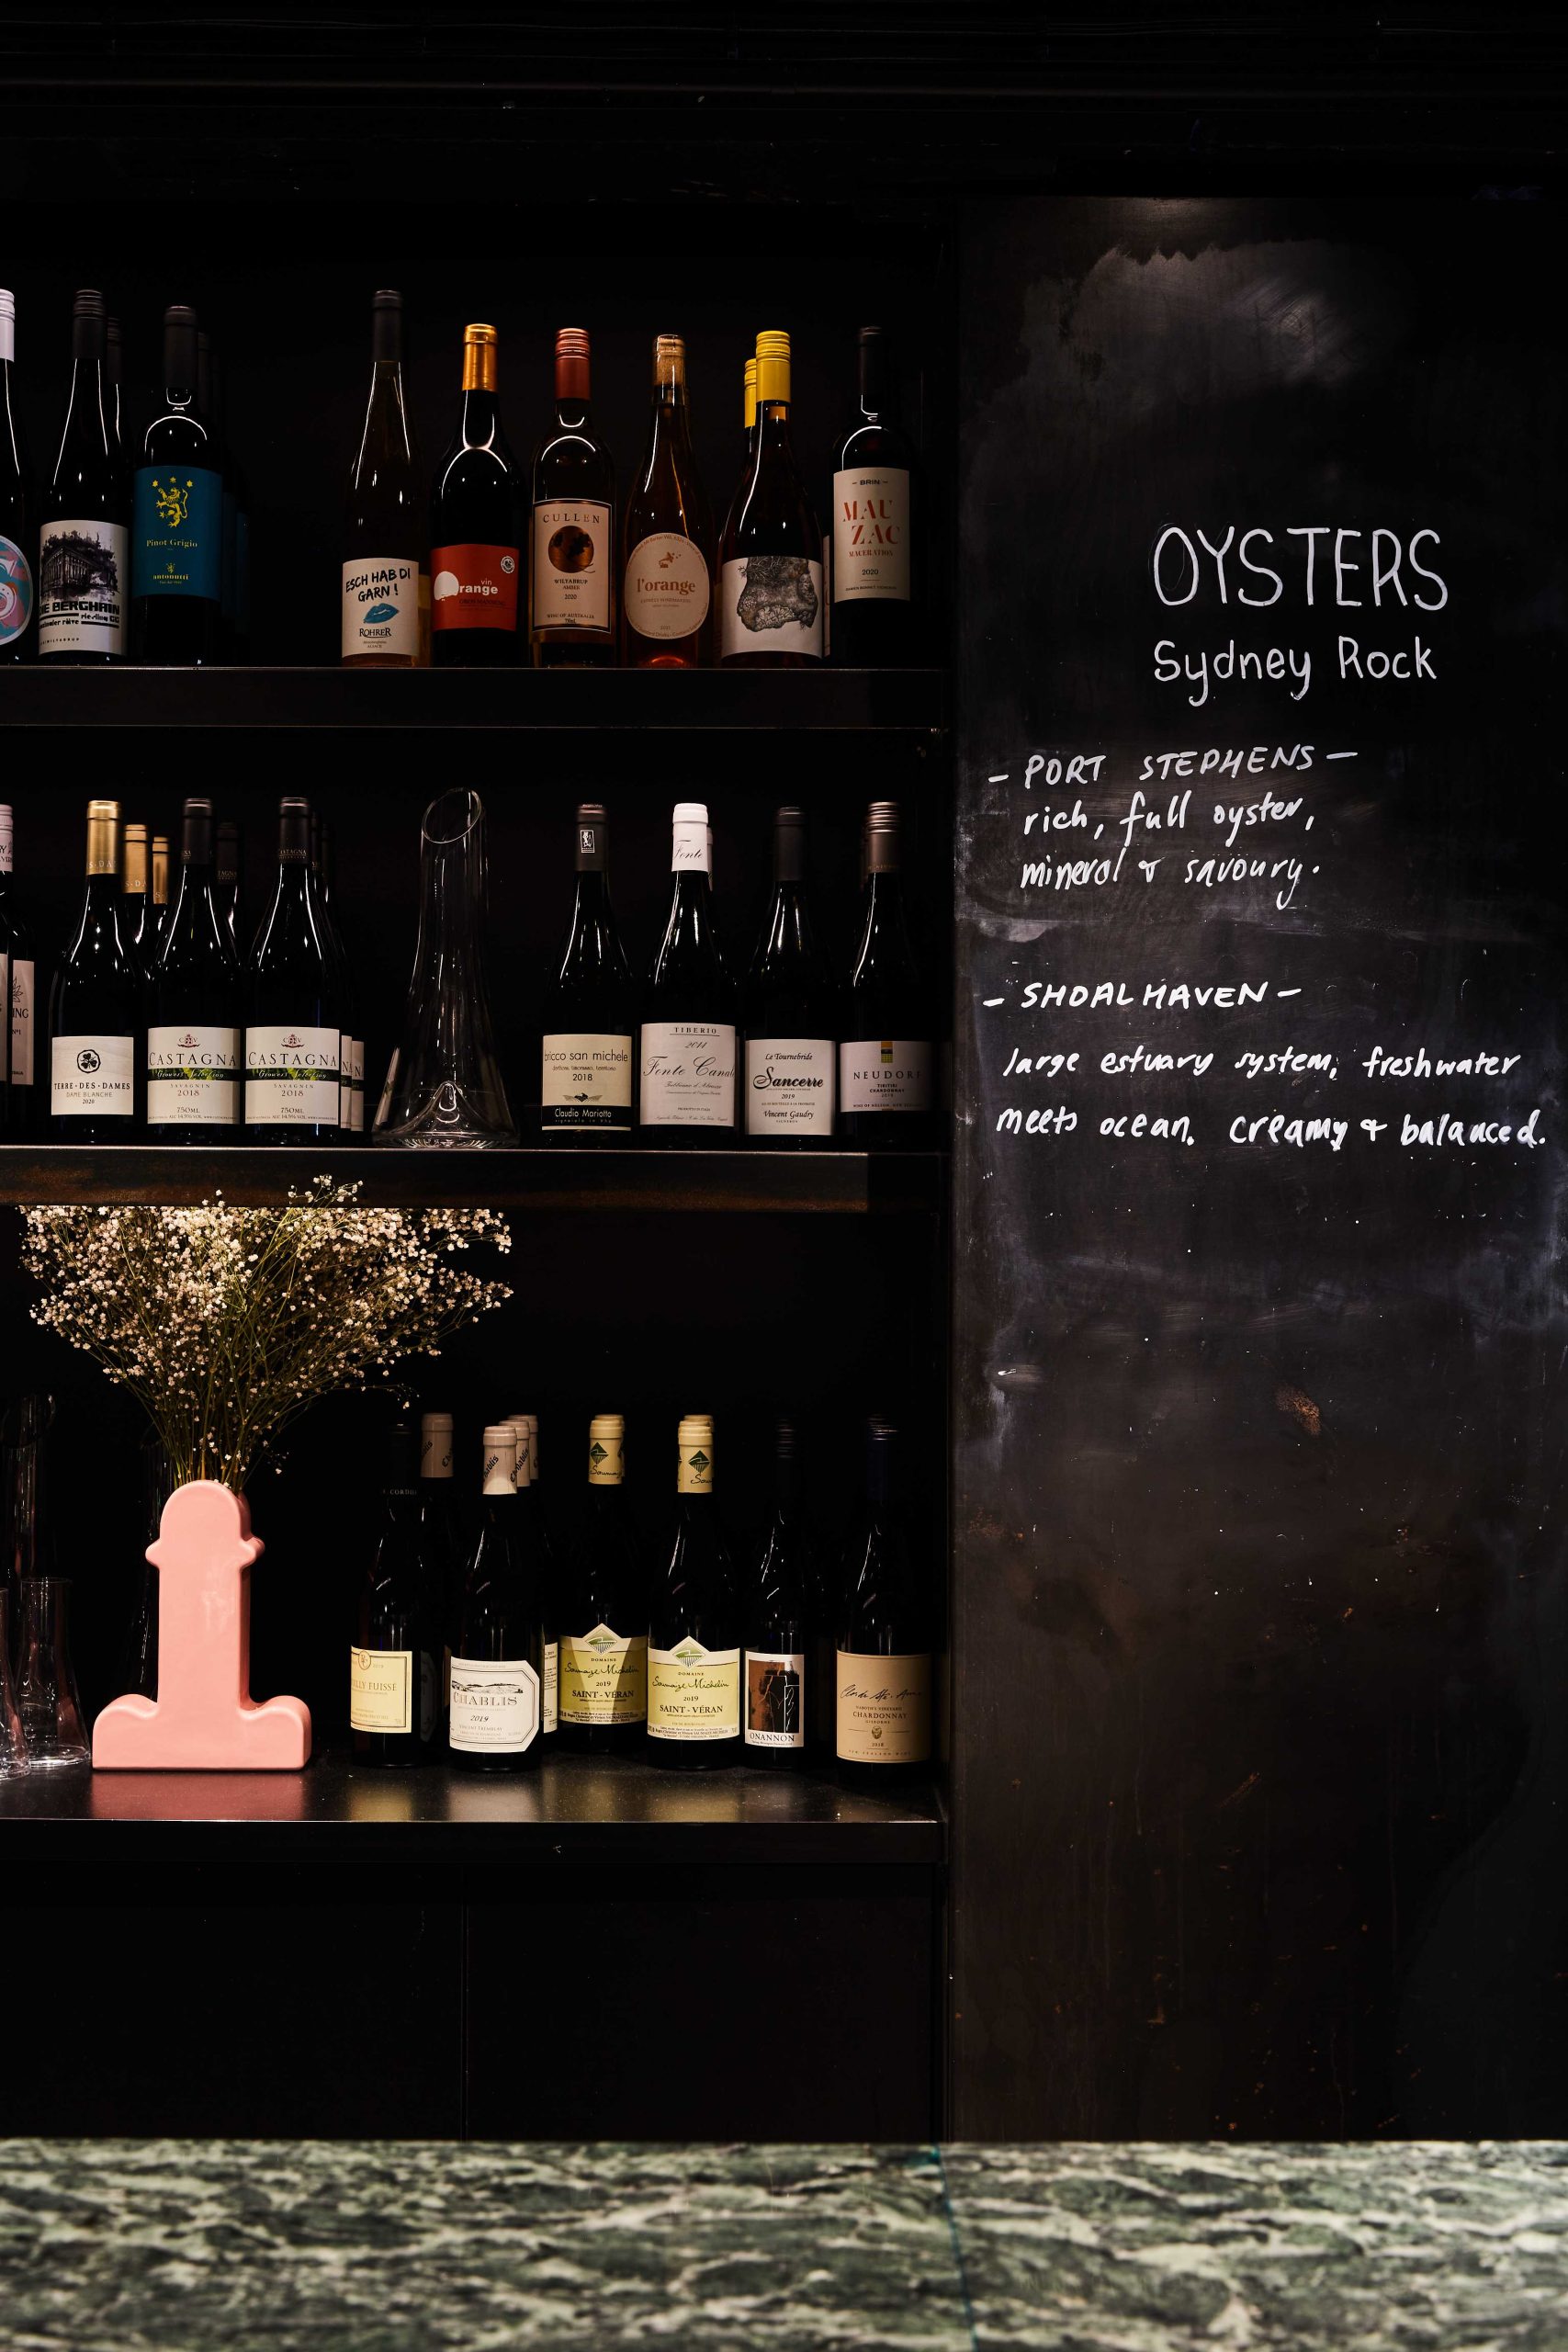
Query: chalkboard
(1261, 1699)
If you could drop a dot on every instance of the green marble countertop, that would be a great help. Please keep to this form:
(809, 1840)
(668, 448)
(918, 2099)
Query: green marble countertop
(230, 2246)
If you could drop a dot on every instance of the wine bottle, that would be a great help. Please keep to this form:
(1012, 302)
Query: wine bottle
(18, 997)
(590, 1023)
(571, 598)
(177, 559)
(790, 1014)
(95, 1007)
(18, 508)
(474, 545)
(194, 1008)
(693, 1635)
(393, 1663)
(351, 1046)
(135, 894)
(687, 1045)
(158, 901)
(293, 1021)
(498, 1663)
(382, 538)
(771, 562)
(877, 575)
(114, 385)
(441, 1549)
(748, 455)
(531, 1517)
(778, 1632)
(667, 534)
(603, 1612)
(884, 1059)
(883, 1667)
(83, 574)
(227, 879)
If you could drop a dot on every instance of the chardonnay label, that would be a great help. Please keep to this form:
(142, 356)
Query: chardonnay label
(572, 539)
(93, 1077)
(192, 1076)
(692, 1692)
(291, 1077)
(380, 607)
(552, 1685)
(380, 1690)
(871, 533)
(603, 1677)
(666, 592)
(495, 1706)
(473, 586)
(587, 1080)
(16, 591)
(885, 1074)
(23, 996)
(177, 532)
(775, 1699)
(688, 1074)
(789, 1086)
(772, 604)
(885, 1708)
(84, 576)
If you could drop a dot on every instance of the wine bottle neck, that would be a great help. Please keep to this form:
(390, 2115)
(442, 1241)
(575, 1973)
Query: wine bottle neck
(481, 418)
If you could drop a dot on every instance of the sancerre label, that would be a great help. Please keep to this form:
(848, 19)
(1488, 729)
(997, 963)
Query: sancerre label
(380, 1690)
(587, 1080)
(192, 1076)
(573, 539)
(688, 1074)
(84, 580)
(16, 591)
(885, 1074)
(291, 1077)
(775, 1699)
(789, 1086)
(871, 533)
(603, 1677)
(380, 607)
(772, 604)
(22, 1001)
(93, 1077)
(473, 586)
(692, 1692)
(176, 526)
(883, 1714)
(666, 592)
(495, 1706)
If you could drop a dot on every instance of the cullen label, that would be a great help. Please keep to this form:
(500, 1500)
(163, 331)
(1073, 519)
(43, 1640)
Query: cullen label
(380, 1690)
(871, 533)
(666, 592)
(884, 1708)
(494, 1706)
(789, 1086)
(885, 1074)
(83, 580)
(380, 608)
(692, 1692)
(772, 604)
(93, 1077)
(688, 1074)
(192, 1076)
(291, 1077)
(571, 564)
(775, 1699)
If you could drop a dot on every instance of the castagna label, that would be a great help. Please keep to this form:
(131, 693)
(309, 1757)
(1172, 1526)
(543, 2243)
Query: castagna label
(192, 1076)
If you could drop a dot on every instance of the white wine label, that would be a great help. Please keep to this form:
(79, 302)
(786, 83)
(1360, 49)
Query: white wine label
(380, 1690)
(588, 1076)
(15, 597)
(7, 834)
(192, 1076)
(871, 533)
(573, 542)
(291, 1077)
(789, 1086)
(666, 592)
(603, 1677)
(552, 1685)
(688, 1074)
(772, 604)
(23, 997)
(885, 1074)
(352, 1114)
(495, 1706)
(93, 1077)
(884, 1708)
(380, 607)
(775, 1699)
(692, 1692)
(84, 580)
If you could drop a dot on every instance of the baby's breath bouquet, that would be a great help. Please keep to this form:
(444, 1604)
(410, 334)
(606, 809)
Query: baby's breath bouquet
(228, 1322)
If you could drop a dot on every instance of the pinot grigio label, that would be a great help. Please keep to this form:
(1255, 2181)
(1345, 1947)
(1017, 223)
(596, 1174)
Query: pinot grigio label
(380, 608)
(495, 1706)
(92, 1078)
(84, 580)
(885, 1074)
(688, 1074)
(291, 1077)
(587, 1080)
(789, 1086)
(192, 1076)
(666, 592)
(871, 533)
(772, 604)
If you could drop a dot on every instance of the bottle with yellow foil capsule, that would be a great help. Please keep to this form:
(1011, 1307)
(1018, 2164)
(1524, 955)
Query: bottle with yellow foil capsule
(97, 1084)
(771, 590)
(694, 1631)
(603, 1612)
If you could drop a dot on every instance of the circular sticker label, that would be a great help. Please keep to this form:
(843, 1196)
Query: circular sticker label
(16, 591)
(667, 588)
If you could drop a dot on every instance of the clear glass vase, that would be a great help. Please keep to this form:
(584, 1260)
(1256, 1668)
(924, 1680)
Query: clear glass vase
(13, 1746)
(443, 1085)
(47, 1696)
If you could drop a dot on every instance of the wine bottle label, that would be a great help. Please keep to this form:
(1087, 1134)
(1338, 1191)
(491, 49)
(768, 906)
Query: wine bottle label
(93, 1077)
(789, 1086)
(192, 1076)
(16, 592)
(871, 533)
(603, 1677)
(688, 1074)
(666, 592)
(380, 1690)
(83, 577)
(495, 1706)
(291, 1077)
(884, 1708)
(473, 586)
(380, 607)
(552, 1684)
(587, 1080)
(692, 1692)
(572, 539)
(22, 1001)
(176, 523)
(775, 1699)
(885, 1074)
(358, 1074)
(772, 604)
(7, 833)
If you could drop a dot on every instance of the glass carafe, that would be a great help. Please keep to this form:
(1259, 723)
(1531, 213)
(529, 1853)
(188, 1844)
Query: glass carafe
(47, 1696)
(13, 1746)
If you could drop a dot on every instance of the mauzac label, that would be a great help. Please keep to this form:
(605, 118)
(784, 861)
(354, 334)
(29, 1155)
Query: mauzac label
(473, 586)
(177, 532)
(871, 533)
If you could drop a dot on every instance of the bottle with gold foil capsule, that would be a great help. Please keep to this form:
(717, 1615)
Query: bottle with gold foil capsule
(883, 1665)
(536, 1535)
(136, 895)
(158, 911)
(475, 556)
(771, 589)
(603, 1612)
(498, 1661)
(96, 1083)
(667, 534)
(694, 1631)
(571, 571)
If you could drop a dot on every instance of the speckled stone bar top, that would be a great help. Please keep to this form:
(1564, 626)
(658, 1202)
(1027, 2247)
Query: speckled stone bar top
(230, 2246)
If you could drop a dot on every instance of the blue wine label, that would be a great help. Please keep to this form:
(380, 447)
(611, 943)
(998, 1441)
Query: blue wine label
(16, 591)
(177, 532)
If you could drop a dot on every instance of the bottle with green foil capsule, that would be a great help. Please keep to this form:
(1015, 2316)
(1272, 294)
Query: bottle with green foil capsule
(603, 1612)
(176, 562)
(695, 1630)
(498, 1659)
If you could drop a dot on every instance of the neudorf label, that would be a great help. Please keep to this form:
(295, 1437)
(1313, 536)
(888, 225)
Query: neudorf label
(772, 604)
(83, 578)
(688, 1074)
(16, 591)
(871, 533)
(495, 1706)
(603, 1677)
(22, 1001)
(884, 1708)
(666, 592)
(93, 1077)
(473, 586)
(587, 1080)
(789, 1086)
(380, 607)
(885, 1074)
(775, 1699)
(692, 1692)
(291, 1077)
(380, 1690)
(192, 1076)
(177, 532)
(571, 564)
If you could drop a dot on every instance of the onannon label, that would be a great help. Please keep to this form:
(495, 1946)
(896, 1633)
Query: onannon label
(82, 583)
(380, 1690)
(885, 1074)
(772, 604)
(571, 564)
(587, 1080)
(775, 1699)
(495, 1706)
(871, 533)
(884, 1708)
(789, 1086)
(473, 585)
(93, 1077)
(688, 1074)
(603, 1677)
(291, 1076)
(666, 590)
(380, 608)
(192, 1076)
(692, 1692)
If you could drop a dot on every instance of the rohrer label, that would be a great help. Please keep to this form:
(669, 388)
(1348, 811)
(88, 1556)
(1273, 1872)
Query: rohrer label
(603, 1677)
(772, 604)
(291, 1077)
(93, 1077)
(473, 586)
(884, 1708)
(587, 1080)
(885, 1074)
(692, 1692)
(871, 533)
(789, 1086)
(688, 1074)
(572, 540)
(192, 1076)
(380, 608)
(495, 1705)
(82, 583)
(666, 594)
(16, 591)
(775, 1699)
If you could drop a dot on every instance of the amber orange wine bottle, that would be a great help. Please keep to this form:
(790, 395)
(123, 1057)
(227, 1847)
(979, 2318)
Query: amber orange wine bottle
(667, 534)
(572, 574)
(771, 585)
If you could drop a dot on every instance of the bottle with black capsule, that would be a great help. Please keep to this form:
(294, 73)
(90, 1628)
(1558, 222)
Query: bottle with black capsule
(394, 1663)
(19, 1088)
(695, 1624)
(193, 1005)
(176, 564)
(878, 569)
(883, 1665)
(383, 524)
(351, 1044)
(113, 383)
(686, 1046)
(590, 1020)
(83, 574)
(158, 864)
(293, 1017)
(18, 509)
(886, 1052)
(442, 1548)
(603, 1611)
(777, 1687)
(789, 1010)
(498, 1659)
(96, 1091)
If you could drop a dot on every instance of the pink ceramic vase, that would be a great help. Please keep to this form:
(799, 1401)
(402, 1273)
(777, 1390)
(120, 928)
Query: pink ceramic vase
(204, 1718)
